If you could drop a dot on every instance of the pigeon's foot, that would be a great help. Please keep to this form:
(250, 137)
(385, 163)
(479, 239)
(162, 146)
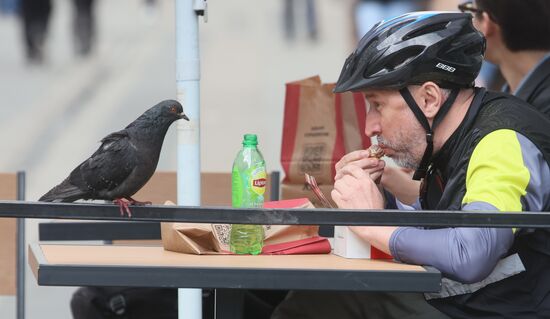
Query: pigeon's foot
(123, 206)
(137, 203)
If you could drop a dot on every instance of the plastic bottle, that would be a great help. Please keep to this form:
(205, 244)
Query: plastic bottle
(248, 181)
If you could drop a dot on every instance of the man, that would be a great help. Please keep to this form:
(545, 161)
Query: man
(518, 42)
(473, 150)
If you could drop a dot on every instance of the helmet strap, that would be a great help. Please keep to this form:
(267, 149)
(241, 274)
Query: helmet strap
(445, 107)
(425, 162)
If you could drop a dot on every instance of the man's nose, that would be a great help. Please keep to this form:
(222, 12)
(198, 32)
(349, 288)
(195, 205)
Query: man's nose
(372, 123)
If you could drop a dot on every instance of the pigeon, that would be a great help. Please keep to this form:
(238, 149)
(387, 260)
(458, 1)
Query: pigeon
(124, 162)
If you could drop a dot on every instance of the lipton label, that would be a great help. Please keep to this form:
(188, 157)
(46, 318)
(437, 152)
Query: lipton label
(258, 180)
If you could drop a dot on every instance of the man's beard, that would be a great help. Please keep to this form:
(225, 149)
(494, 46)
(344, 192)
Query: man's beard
(402, 147)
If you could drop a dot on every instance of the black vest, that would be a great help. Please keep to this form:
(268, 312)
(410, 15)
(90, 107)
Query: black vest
(445, 186)
(446, 180)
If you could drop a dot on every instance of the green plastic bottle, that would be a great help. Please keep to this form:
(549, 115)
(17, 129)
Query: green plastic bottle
(248, 181)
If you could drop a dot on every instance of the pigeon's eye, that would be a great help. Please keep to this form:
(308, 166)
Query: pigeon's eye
(173, 109)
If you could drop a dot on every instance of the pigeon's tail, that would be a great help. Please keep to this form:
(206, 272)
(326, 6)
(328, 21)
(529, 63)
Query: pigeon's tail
(64, 192)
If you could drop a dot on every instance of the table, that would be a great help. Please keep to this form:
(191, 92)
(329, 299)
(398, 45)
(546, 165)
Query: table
(152, 266)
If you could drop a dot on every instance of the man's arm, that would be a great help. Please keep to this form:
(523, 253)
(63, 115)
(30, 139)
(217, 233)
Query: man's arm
(399, 182)
(467, 255)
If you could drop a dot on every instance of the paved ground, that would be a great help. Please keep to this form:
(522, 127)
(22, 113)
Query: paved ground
(52, 117)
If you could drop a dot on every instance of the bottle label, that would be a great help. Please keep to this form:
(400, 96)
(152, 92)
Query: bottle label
(258, 180)
(248, 187)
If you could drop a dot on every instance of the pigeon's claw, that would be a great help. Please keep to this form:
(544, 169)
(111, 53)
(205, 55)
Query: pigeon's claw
(123, 206)
(137, 203)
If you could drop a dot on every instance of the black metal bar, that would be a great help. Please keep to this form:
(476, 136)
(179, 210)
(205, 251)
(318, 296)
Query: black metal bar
(98, 231)
(132, 276)
(193, 214)
(20, 242)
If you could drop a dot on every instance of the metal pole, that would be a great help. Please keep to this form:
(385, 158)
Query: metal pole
(20, 300)
(188, 167)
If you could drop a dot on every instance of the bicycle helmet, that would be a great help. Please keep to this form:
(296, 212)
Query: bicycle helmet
(442, 47)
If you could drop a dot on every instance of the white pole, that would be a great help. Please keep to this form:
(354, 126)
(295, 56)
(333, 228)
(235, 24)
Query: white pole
(188, 170)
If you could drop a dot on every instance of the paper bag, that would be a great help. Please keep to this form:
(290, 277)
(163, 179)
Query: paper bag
(211, 239)
(319, 128)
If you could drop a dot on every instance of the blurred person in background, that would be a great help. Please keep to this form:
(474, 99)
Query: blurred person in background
(35, 17)
(368, 12)
(302, 12)
(518, 41)
(83, 26)
(490, 76)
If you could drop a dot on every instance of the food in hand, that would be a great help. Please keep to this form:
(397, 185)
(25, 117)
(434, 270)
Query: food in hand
(376, 151)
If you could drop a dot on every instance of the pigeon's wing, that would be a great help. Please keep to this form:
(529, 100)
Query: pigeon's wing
(105, 169)
(65, 192)
(109, 166)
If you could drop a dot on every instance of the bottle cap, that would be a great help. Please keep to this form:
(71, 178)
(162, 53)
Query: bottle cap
(250, 139)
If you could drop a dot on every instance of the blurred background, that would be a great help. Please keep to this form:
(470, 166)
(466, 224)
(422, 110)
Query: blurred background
(72, 71)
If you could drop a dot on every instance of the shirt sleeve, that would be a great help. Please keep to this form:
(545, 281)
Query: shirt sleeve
(506, 172)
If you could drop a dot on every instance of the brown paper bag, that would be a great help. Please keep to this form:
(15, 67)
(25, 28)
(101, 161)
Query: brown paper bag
(319, 128)
(211, 239)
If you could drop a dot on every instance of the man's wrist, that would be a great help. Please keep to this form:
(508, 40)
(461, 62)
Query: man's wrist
(378, 236)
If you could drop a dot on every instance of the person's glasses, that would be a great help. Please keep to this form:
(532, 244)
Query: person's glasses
(468, 6)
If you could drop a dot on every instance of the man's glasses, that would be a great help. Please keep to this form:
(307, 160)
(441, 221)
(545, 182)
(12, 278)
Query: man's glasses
(468, 6)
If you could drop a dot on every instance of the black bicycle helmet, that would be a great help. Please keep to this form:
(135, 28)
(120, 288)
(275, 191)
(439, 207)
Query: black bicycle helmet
(443, 47)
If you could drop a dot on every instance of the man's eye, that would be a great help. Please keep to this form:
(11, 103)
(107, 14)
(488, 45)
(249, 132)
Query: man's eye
(373, 106)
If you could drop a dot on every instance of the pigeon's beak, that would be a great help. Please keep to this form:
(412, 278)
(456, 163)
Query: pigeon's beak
(183, 116)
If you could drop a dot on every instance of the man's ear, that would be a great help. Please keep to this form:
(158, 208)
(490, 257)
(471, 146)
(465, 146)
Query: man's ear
(486, 25)
(431, 98)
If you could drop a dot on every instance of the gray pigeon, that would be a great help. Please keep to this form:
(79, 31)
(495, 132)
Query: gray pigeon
(124, 162)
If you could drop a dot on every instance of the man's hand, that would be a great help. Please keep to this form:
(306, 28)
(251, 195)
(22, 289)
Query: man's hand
(355, 189)
(371, 165)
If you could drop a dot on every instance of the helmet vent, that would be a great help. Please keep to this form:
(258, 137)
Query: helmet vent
(399, 26)
(403, 56)
(428, 29)
(367, 55)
